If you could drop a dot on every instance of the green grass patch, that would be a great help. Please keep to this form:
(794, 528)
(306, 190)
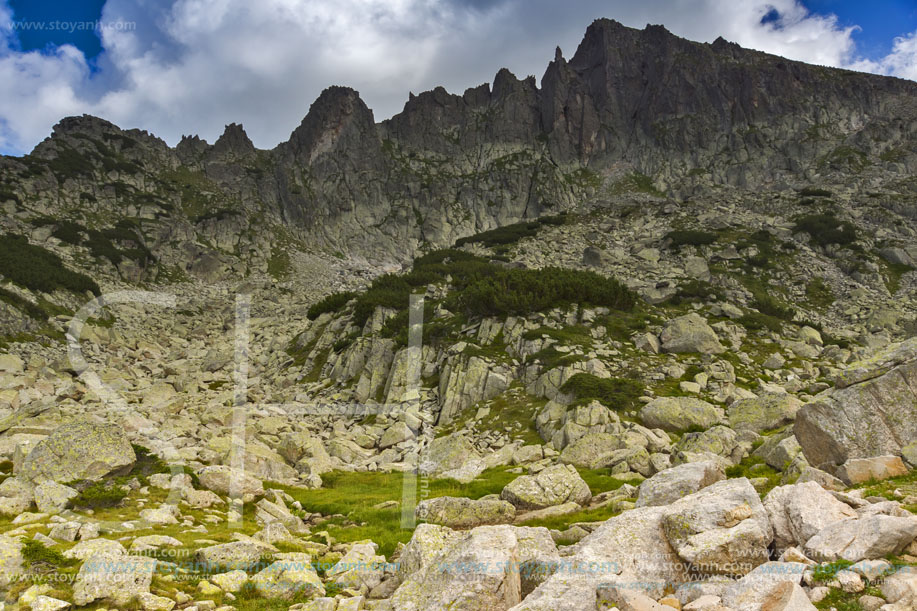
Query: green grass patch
(332, 303)
(636, 183)
(754, 467)
(35, 553)
(510, 234)
(819, 294)
(814, 192)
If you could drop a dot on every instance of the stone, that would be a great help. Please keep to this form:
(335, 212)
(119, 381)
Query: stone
(552, 486)
(629, 549)
(680, 414)
(900, 587)
(151, 602)
(10, 560)
(447, 453)
(46, 603)
(98, 548)
(872, 411)
(690, 333)
(861, 470)
(798, 512)
(721, 530)
(361, 568)
(10, 363)
(452, 577)
(626, 599)
(231, 581)
(79, 450)
(395, 434)
(787, 596)
(163, 515)
(219, 479)
(150, 543)
(779, 451)
(306, 452)
(767, 412)
(676, 482)
(865, 538)
(52, 498)
(718, 440)
(116, 580)
(236, 555)
(594, 451)
(458, 512)
(754, 590)
(288, 579)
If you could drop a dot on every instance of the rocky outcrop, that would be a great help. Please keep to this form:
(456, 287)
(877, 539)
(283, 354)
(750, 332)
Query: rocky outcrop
(872, 411)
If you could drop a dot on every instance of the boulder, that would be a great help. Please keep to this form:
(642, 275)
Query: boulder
(798, 512)
(717, 440)
(721, 530)
(236, 555)
(680, 414)
(98, 548)
(872, 411)
(769, 411)
(80, 450)
(630, 549)
(305, 451)
(220, 478)
(231, 581)
(861, 470)
(52, 498)
(395, 434)
(676, 482)
(151, 602)
(117, 580)
(865, 538)
(751, 592)
(446, 453)
(10, 560)
(361, 568)
(459, 512)
(293, 577)
(483, 569)
(594, 451)
(690, 333)
(552, 486)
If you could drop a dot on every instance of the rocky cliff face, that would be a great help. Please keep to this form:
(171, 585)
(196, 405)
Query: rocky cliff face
(632, 110)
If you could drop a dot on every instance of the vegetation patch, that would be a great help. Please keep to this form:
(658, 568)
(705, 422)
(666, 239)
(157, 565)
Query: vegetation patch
(826, 229)
(689, 237)
(616, 393)
(819, 294)
(38, 269)
(510, 234)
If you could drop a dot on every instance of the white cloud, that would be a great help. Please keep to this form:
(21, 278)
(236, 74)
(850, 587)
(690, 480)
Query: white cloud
(192, 66)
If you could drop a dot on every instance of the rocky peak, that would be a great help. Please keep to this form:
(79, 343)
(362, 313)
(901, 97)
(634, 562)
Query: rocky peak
(233, 143)
(338, 119)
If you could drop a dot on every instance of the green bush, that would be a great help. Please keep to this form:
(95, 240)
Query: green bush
(814, 192)
(510, 234)
(616, 393)
(754, 321)
(38, 269)
(35, 553)
(698, 290)
(689, 237)
(521, 292)
(98, 495)
(771, 306)
(826, 229)
(331, 303)
(29, 308)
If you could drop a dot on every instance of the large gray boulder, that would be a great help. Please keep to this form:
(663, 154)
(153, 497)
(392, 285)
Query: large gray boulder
(221, 479)
(767, 582)
(289, 578)
(680, 414)
(763, 413)
(446, 454)
(552, 486)
(361, 568)
(630, 549)
(690, 333)
(676, 482)
(872, 411)
(79, 450)
(117, 580)
(10, 560)
(865, 538)
(721, 530)
(451, 574)
(460, 512)
(798, 512)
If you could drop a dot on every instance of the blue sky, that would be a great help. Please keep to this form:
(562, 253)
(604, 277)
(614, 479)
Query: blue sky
(178, 67)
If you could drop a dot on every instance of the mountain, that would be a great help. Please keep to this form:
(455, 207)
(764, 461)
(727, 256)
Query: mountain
(633, 109)
(669, 308)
